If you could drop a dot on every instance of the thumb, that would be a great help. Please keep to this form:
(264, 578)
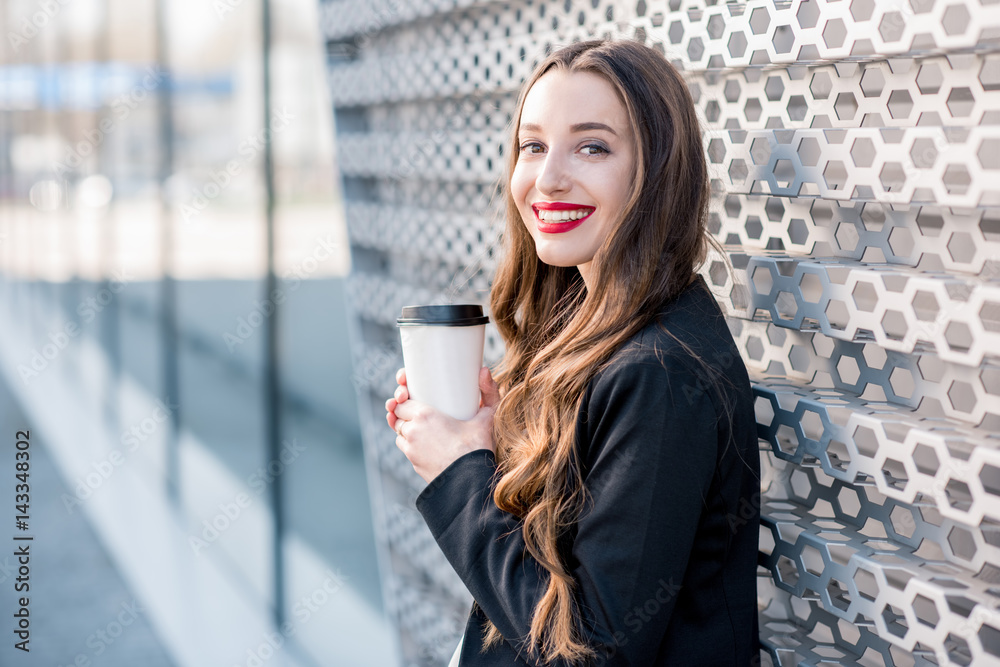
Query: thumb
(489, 388)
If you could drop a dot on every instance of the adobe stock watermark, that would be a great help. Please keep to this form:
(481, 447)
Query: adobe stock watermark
(230, 512)
(749, 509)
(917, 168)
(58, 340)
(438, 641)
(6, 569)
(711, 374)
(387, 356)
(958, 298)
(380, 14)
(29, 27)
(302, 612)
(121, 108)
(224, 8)
(131, 439)
(105, 636)
(639, 616)
(222, 179)
(420, 154)
(897, 13)
(374, 366)
(972, 625)
(245, 327)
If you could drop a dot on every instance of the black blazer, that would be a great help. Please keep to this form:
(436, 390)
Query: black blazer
(665, 559)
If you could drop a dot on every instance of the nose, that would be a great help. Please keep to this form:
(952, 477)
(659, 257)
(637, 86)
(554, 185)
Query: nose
(554, 176)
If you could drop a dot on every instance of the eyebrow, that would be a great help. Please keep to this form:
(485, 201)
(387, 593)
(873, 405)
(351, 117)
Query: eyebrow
(579, 127)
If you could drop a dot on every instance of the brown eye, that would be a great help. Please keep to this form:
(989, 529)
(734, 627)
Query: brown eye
(529, 145)
(600, 149)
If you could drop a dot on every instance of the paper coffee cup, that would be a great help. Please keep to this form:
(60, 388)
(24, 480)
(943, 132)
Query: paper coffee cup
(442, 354)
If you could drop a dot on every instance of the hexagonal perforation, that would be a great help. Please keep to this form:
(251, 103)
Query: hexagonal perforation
(826, 137)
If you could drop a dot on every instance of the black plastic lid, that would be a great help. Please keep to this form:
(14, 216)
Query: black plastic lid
(452, 315)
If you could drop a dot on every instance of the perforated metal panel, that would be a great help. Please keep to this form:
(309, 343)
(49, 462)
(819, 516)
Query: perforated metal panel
(855, 153)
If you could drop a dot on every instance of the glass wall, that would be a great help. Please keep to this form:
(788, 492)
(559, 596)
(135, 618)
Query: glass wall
(172, 258)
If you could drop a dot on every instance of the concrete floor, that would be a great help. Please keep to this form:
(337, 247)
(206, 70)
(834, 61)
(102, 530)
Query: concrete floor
(327, 508)
(76, 591)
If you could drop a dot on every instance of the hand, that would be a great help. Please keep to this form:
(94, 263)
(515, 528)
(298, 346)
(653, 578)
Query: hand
(432, 440)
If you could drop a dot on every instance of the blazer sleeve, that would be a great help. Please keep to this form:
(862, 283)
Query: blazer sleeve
(649, 442)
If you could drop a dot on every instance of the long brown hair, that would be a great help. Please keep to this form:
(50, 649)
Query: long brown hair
(558, 334)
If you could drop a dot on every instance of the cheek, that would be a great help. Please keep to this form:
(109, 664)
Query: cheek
(520, 183)
(519, 187)
(620, 184)
(522, 179)
(622, 194)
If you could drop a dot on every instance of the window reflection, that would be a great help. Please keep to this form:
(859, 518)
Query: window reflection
(133, 211)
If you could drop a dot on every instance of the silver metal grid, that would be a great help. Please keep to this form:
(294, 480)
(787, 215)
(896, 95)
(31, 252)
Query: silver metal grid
(855, 156)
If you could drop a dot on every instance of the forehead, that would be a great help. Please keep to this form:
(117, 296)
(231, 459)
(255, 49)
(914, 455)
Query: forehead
(559, 99)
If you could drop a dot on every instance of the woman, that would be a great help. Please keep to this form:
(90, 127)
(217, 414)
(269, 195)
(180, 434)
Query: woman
(600, 505)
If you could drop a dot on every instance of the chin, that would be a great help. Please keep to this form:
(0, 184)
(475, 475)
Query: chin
(557, 261)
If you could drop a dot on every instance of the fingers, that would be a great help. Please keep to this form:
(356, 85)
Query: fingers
(401, 376)
(399, 396)
(390, 410)
(390, 413)
(490, 392)
(406, 410)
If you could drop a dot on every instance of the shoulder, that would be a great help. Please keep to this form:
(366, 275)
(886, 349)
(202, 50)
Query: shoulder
(679, 382)
(653, 393)
(687, 333)
(683, 351)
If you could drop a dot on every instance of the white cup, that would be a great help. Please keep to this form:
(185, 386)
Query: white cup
(442, 354)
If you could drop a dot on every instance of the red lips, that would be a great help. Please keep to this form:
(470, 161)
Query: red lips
(559, 227)
(557, 206)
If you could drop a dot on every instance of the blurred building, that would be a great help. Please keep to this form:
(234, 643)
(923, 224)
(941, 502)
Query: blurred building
(174, 334)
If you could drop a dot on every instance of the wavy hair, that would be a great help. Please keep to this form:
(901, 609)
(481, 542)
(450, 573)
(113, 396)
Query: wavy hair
(558, 334)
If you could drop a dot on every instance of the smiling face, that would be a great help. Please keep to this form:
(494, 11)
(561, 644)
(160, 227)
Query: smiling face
(575, 165)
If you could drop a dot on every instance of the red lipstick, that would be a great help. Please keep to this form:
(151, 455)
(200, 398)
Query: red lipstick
(558, 227)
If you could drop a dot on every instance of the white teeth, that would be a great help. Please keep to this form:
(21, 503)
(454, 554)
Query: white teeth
(562, 216)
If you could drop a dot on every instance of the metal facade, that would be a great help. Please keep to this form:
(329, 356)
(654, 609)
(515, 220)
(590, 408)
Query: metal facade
(855, 147)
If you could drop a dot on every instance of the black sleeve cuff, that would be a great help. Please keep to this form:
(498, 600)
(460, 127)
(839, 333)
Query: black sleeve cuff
(468, 479)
